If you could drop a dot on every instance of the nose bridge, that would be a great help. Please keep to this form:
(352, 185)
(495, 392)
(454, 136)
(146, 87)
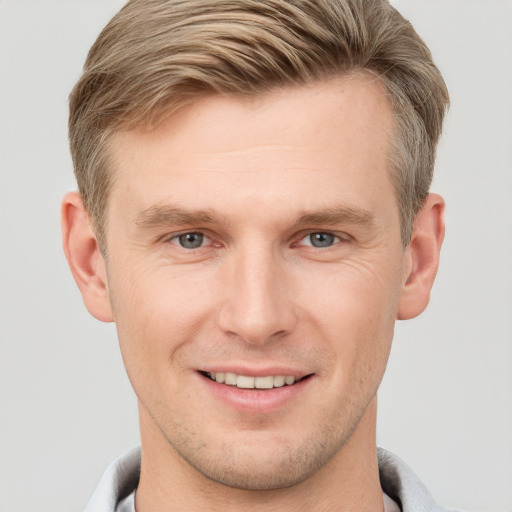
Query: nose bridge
(257, 307)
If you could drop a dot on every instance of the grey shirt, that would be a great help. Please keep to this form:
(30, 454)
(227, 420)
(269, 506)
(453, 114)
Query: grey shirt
(402, 488)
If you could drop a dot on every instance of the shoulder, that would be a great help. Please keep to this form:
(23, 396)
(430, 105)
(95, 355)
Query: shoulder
(400, 482)
(119, 481)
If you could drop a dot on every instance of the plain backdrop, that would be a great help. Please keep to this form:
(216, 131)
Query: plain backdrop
(66, 408)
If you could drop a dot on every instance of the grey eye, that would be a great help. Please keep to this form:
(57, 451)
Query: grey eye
(321, 239)
(191, 240)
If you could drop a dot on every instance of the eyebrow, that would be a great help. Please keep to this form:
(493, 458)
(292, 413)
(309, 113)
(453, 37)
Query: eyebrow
(168, 215)
(339, 215)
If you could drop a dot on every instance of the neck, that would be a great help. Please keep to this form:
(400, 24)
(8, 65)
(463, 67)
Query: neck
(348, 482)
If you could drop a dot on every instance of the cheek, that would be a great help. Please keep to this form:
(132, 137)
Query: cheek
(157, 313)
(355, 309)
(359, 292)
(151, 295)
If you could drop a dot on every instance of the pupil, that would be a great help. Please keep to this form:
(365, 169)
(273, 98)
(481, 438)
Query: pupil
(191, 240)
(321, 239)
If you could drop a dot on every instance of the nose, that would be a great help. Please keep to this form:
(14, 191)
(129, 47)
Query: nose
(257, 301)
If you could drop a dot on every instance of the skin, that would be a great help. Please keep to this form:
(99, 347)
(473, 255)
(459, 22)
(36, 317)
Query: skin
(257, 297)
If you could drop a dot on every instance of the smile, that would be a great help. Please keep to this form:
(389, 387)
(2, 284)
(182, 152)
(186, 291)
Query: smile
(248, 382)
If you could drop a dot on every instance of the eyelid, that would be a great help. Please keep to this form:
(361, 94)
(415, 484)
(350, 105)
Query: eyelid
(308, 237)
(173, 237)
(339, 237)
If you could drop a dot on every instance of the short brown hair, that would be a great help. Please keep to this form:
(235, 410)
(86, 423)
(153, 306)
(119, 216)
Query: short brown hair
(155, 56)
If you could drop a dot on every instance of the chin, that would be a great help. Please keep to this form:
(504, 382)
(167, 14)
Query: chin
(259, 477)
(261, 468)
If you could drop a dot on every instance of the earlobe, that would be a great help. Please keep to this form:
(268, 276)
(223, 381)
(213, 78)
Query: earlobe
(422, 258)
(84, 257)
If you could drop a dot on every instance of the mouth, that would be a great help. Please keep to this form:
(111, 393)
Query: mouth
(250, 382)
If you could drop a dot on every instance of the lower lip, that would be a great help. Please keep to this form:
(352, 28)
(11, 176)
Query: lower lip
(256, 401)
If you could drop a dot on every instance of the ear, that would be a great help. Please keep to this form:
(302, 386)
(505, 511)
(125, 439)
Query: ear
(422, 257)
(84, 257)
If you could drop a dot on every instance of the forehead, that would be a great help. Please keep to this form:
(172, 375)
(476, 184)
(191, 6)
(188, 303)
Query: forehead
(334, 100)
(327, 135)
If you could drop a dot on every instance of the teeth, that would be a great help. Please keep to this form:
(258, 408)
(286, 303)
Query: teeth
(246, 382)
(279, 381)
(264, 382)
(230, 379)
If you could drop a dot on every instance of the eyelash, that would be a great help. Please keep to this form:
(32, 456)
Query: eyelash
(335, 239)
(175, 239)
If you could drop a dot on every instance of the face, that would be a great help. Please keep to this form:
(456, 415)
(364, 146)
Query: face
(255, 269)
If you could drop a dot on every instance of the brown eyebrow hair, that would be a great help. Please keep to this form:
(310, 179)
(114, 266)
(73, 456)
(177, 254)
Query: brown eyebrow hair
(339, 215)
(165, 215)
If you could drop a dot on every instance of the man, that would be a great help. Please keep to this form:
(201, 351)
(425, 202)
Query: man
(254, 215)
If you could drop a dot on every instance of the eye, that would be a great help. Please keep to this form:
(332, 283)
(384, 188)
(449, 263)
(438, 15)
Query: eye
(191, 240)
(320, 239)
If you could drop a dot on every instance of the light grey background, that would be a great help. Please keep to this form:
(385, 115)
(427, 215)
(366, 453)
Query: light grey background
(66, 408)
